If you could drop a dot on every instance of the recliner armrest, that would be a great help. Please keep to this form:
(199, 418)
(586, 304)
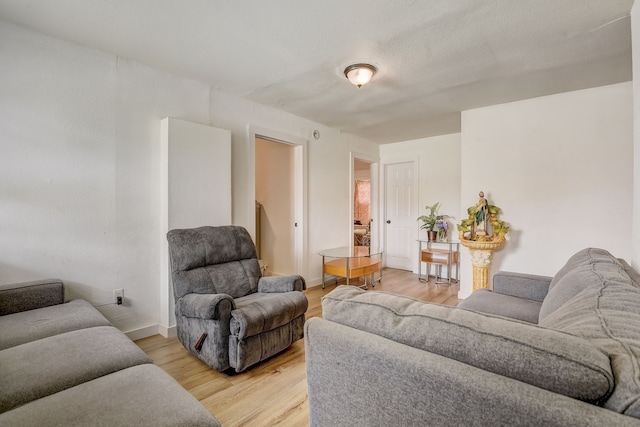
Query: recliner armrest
(17, 297)
(279, 284)
(206, 306)
(521, 285)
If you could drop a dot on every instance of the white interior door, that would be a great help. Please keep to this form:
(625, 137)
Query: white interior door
(400, 214)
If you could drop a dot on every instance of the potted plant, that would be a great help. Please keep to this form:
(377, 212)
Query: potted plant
(443, 228)
(430, 220)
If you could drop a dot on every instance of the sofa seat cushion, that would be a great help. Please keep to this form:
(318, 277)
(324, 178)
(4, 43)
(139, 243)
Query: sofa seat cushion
(43, 367)
(549, 359)
(608, 315)
(142, 396)
(486, 301)
(20, 328)
(259, 312)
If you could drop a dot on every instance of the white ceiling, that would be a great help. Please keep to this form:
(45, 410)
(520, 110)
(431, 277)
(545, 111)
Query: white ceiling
(435, 57)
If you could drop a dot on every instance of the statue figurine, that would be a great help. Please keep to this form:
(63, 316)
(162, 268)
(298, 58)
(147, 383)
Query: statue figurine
(482, 216)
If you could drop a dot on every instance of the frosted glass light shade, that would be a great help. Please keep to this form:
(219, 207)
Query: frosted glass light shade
(360, 74)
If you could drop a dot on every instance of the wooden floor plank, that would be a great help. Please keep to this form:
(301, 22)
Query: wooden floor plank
(273, 393)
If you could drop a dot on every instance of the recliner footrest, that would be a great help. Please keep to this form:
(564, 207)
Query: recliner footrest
(258, 313)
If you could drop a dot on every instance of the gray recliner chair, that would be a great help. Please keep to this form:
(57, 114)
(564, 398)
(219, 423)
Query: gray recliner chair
(227, 314)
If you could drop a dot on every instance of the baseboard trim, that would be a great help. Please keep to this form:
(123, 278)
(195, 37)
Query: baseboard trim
(168, 332)
(149, 331)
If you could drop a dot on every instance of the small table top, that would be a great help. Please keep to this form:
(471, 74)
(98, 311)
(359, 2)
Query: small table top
(446, 242)
(351, 252)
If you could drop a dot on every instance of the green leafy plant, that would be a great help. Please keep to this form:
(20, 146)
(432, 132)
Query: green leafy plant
(429, 220)
(499, 228)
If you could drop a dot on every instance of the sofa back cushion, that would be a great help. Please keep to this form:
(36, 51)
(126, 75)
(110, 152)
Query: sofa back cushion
(17, 297)
(548, 359)
(575, 276)
(213, 260)
(574, 282)
(607, 313)
(236, 279)
(580, 258)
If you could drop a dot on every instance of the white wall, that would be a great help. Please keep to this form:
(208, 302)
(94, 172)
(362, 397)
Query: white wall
(635, 235)
(438, 177)
(560, 167)
(80, 169)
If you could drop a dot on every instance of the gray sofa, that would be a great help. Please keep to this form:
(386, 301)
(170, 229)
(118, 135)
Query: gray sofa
(551, 351)
(63, 364)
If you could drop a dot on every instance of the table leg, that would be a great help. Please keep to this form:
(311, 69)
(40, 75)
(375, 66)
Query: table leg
(379, 279)
(420, 262)
(347, 272)
(450, 263)
(458, 264)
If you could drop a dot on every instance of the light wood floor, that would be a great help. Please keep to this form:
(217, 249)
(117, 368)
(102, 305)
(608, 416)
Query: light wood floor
(275, 391)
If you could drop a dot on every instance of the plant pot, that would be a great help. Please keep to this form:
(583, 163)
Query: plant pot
(432, 235)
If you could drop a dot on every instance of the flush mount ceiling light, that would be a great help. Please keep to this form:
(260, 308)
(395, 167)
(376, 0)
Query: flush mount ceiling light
(360, 74)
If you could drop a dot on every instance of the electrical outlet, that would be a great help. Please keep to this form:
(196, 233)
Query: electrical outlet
(118, 296)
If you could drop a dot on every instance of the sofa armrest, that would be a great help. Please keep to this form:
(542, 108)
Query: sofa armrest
(521, 285)
(17, 297)
(382, 382)
(206, 306)
(633, 274)
(279, 284)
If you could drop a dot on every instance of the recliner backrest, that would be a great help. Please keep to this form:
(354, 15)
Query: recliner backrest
(213, 260)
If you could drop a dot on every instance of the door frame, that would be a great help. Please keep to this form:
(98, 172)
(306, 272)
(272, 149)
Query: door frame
(414, 195)
(300, 188)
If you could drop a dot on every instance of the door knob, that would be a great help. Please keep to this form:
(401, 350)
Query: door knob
(388, 221)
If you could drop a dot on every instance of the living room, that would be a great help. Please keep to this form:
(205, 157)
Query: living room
(80, 169)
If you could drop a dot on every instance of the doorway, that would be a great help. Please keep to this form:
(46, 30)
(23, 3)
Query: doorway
(275, 237)
(364, 209)
(361, 203)
(289, 233)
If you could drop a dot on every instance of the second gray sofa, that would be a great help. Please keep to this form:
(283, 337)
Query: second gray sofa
(377, 359)
(63, 364)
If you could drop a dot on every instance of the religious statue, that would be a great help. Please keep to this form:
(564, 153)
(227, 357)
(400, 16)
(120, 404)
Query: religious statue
(482, 240)
(483, 224)
(482, 216)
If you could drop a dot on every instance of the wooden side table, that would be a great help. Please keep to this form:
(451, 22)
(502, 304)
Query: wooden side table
(440, 254)
(352, 262)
